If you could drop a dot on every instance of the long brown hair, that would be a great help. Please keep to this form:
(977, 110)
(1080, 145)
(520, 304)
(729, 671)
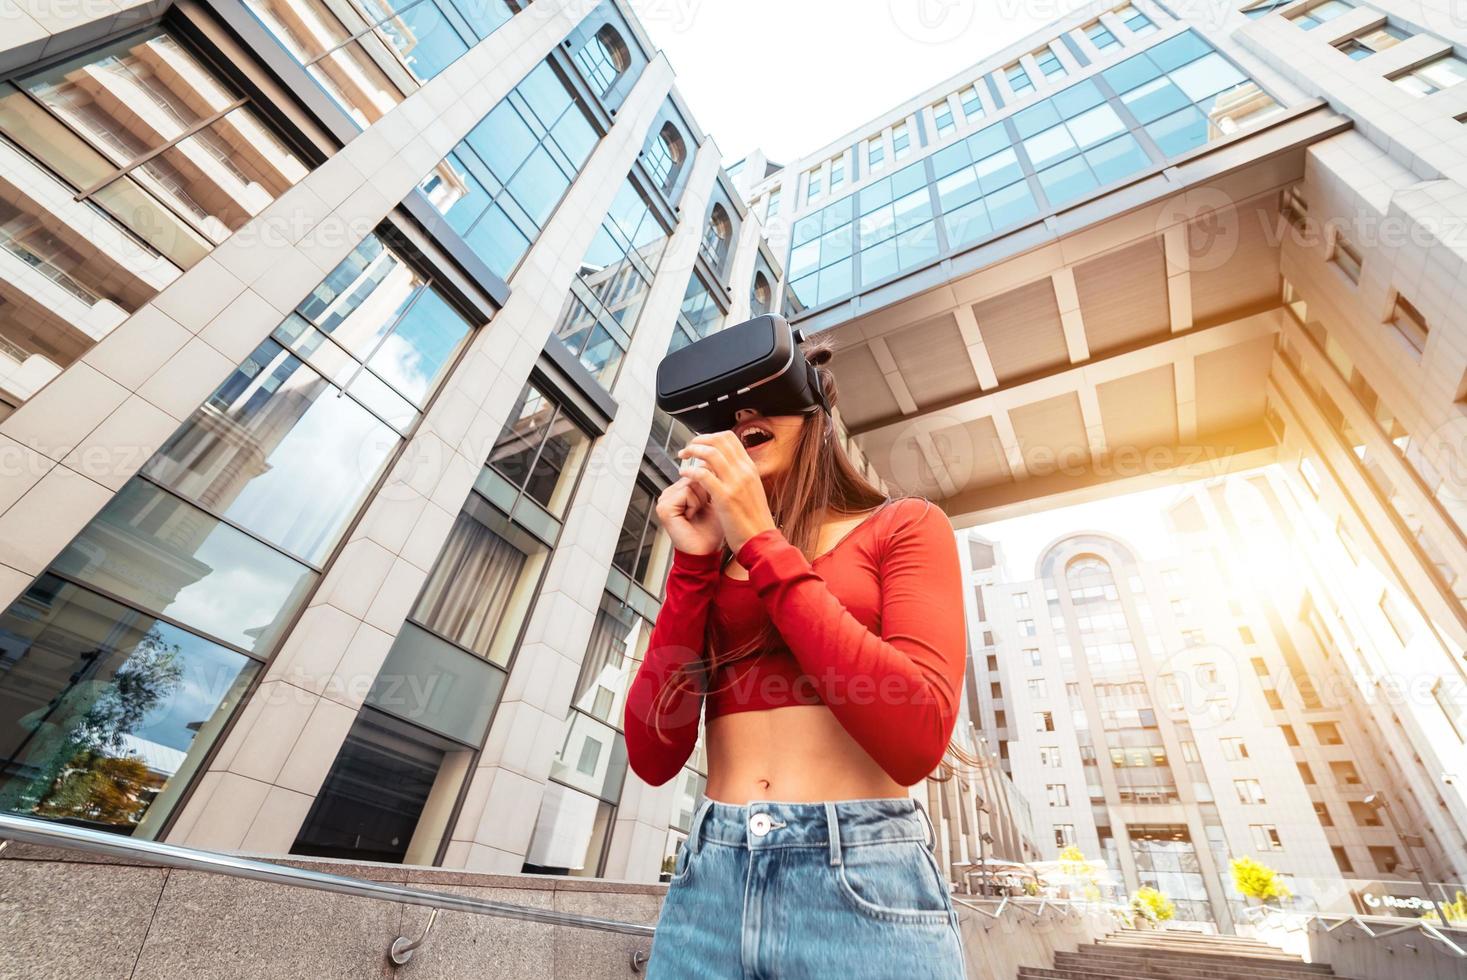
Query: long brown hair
(820, 484)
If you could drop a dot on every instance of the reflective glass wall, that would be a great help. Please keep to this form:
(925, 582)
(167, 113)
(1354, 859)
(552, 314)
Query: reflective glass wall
(1175, 96)
(121, 664)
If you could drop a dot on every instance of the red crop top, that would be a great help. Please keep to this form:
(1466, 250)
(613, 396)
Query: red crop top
(873, 628)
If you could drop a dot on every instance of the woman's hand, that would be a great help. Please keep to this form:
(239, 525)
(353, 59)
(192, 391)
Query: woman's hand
(731, 480)
(687, 515)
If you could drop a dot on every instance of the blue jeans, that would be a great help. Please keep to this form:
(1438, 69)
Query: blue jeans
(799, 891)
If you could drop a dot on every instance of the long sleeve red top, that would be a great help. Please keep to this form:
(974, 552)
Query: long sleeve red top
(873, 629)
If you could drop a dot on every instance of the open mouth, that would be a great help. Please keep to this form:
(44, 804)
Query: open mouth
(755, 435)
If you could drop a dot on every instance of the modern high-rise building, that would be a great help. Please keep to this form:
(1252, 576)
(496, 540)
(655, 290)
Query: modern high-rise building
(1167, 713)
(327, 332)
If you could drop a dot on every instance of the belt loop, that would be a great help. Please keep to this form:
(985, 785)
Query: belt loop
(931, 830)
(832, 824)
(695, 828)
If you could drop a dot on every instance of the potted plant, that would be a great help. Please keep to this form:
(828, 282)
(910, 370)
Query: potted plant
(1256, 880)
(1150, 908)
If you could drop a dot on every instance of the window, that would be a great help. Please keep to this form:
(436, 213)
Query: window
(761, 295)
(1064, 835)
(942, 115)
(1034, 657)
(1310, 475)
(1432, 76)
(1049, 63)
(1327, 732)
(1018, 78)
(1342, 859)
(1306, 773)
(369, 58)
(1194, 638)
(1294, 208)
(1386, 859)
(1246, 635)
(143, 138)
(1100, 36)
(1037, 688)
(1397, 621)
(837, 173)
(716, 238)
(1321, 13)
(664, 157)
(901, 141)
(1189, 751)
(1136, 22)
(1346, 256)
(1452, 701)
(972, 103)
(539, 455)
(1345, 773)
(813, 186)
(610, 289)
(773, 208)
(1021, 600)
(1059, 794)
(698, 316)
(894, 227)
(500, 185)
(875, 154)
(1249, 791)
(602, 59)
(1266, 837)
(1027, 628)
(1049, 757)
(1409, 322)
(1321, 813)
(1372, 41)
(643, 551)
(126, 705)
(1044, 721)
(352, 818)
(1234, 749)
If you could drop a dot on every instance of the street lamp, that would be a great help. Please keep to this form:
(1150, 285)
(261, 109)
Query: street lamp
(1377, 801)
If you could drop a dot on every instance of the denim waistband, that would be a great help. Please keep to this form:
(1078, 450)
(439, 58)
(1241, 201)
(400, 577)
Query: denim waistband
(770, 824)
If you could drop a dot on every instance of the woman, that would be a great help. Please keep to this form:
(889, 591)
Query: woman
(820, 626)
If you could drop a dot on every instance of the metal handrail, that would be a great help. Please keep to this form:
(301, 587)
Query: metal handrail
(30, 830)
(1367, 924)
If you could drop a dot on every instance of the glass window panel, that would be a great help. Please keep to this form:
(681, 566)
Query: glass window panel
(1179, 132)
(877, 226)
(498, 241)
(424, 39)
(1096, 125)
(1177, 51)
(1067, 181)
(998, 170)
(277, 451)
(836, 245)
(381, 400)
(957, 189)
(436, 685)
(456, 193)
(805, 289)
(359, 300)
(1011, 204)
(878, 262)
(388, 795)
(149, 548)
(544, 93)
(1049, 146)
(105, 712)
(967, 224)
(1156, 98)
(539, 185)
(575, 137)
(1134, 71)
(484, 16)
(805, 258)
(916, 245)
(1077, 98)
(875, 196)
(908, 179)
(356, 83)
(555, 471)
(503, 139)
(1036, 118)
(912, 210)
(950, 158)
(988, 141)
(839, 213)
(141, 213)
(835, 280)
(806, 228)
(572, 828)
(413, 356)
(1206, 76)
(592, 758)
(616, 646)
(1116, 159)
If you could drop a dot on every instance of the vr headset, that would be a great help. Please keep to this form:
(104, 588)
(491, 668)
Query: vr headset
(756, 364)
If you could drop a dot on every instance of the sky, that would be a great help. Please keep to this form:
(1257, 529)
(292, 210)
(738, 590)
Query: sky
(790, 76)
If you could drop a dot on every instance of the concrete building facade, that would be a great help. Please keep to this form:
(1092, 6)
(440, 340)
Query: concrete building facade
(327, 336)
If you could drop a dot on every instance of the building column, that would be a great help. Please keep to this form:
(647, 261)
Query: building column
(495, 827)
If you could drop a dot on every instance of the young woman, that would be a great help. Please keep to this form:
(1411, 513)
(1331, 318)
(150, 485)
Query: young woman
(819, 625)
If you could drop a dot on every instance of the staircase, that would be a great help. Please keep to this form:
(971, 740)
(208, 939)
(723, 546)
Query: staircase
(1146, 955)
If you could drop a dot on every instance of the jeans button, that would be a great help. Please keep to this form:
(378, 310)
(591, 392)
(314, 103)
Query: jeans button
(760, 824)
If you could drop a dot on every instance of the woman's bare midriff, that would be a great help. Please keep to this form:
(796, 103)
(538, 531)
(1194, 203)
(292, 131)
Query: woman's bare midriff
(795, 754)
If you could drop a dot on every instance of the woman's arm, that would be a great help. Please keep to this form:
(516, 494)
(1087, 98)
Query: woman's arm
(661, 737)
(896, 693)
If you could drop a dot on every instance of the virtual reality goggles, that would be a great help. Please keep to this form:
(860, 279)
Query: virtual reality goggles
(756, 364)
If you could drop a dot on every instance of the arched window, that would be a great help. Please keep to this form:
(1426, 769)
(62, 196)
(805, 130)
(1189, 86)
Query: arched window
(603, 58)
(666, 155)
(761, 295)
(716, 236)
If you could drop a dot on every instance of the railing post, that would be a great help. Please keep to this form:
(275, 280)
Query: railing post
(402, 948)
